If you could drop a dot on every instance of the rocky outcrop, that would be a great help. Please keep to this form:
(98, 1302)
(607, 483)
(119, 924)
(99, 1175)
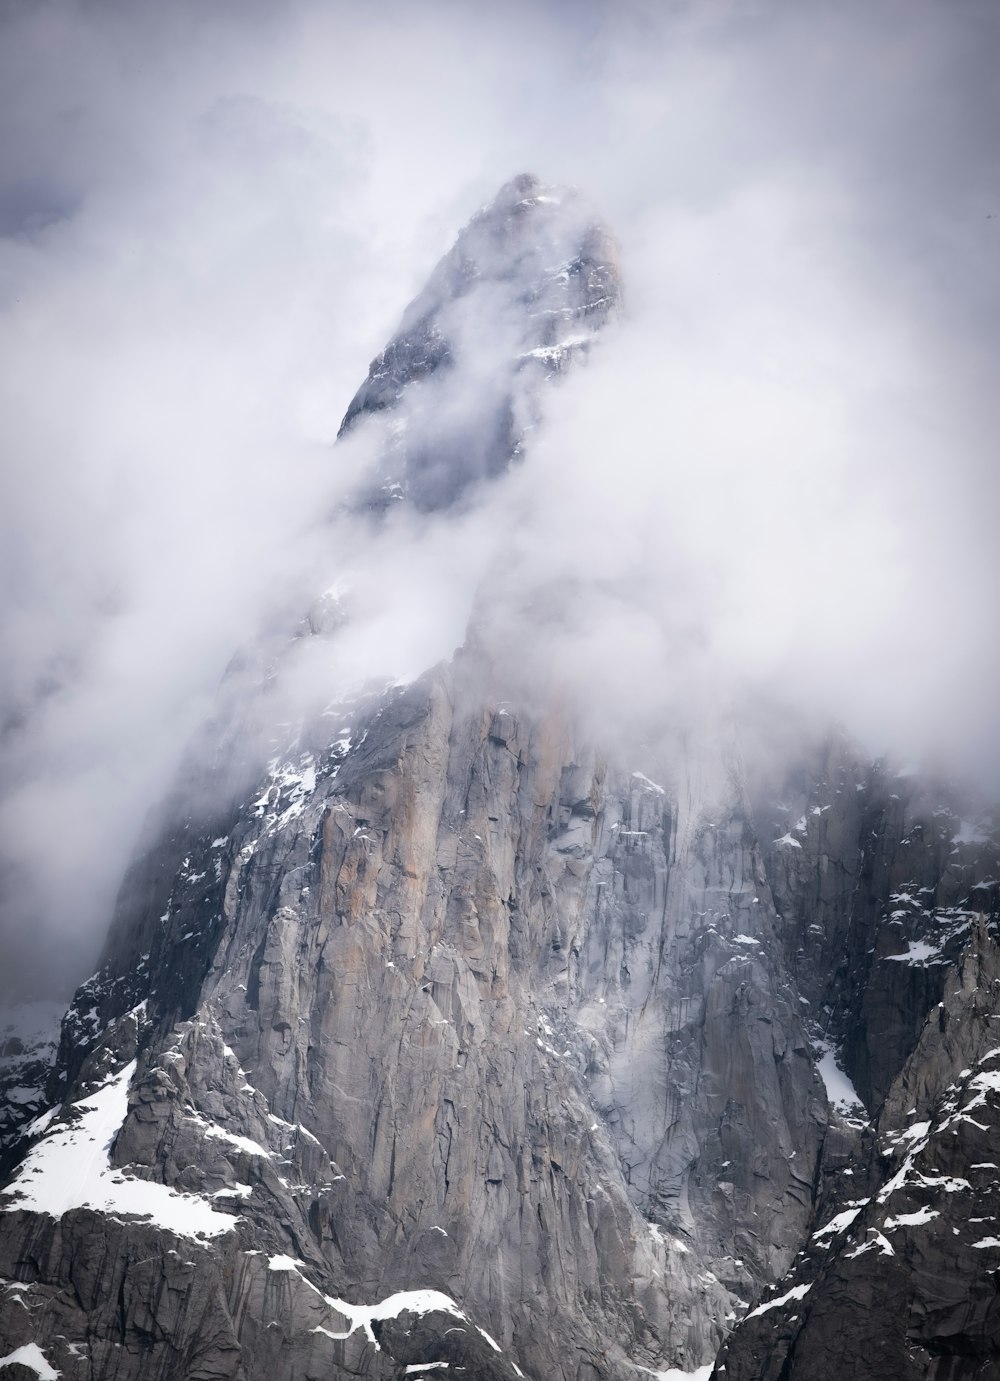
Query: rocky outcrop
(877, 878)
(901, 1276)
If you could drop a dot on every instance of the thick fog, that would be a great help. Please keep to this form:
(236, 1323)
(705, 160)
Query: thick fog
(774, 482)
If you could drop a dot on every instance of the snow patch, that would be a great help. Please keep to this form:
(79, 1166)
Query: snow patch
(987, 1082)
(918, 952)
(876, 1242)
(289, 786)
(32, 1357)
(71, 1168)
(912, 1220)
(242, 1143)
(670, 1243)
(673, 1374)
(364, 1315)
(795, 1293)
(840, 1092)
(837, 1224)
(42, 1123)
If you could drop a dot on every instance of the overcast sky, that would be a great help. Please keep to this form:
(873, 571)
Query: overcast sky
(211, 218)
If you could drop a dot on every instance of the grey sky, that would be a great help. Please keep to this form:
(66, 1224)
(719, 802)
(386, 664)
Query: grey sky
(212, 217)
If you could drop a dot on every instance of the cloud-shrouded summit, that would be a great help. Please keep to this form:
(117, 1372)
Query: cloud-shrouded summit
(517, 298)
(772, 483)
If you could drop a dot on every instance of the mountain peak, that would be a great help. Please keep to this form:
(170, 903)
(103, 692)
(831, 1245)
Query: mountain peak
(521, 294)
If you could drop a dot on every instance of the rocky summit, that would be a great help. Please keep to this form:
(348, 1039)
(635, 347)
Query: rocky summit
(439, 1039)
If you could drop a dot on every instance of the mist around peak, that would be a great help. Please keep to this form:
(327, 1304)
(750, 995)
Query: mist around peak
(768, 490)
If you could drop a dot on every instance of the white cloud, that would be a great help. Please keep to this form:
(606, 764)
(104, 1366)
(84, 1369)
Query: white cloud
(776, 476)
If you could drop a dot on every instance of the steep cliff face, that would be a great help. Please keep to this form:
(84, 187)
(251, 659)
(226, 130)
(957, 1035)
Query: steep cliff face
(877, 878)
(448, 1038)
(901, 1271)
(900, 1277)
(482, 1015)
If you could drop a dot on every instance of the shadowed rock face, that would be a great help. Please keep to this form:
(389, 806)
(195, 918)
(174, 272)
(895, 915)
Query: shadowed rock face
(902, 1276)
(453, 1038)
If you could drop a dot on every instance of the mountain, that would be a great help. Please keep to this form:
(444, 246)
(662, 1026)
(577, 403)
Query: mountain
(29, 1042)
(432, 1035)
